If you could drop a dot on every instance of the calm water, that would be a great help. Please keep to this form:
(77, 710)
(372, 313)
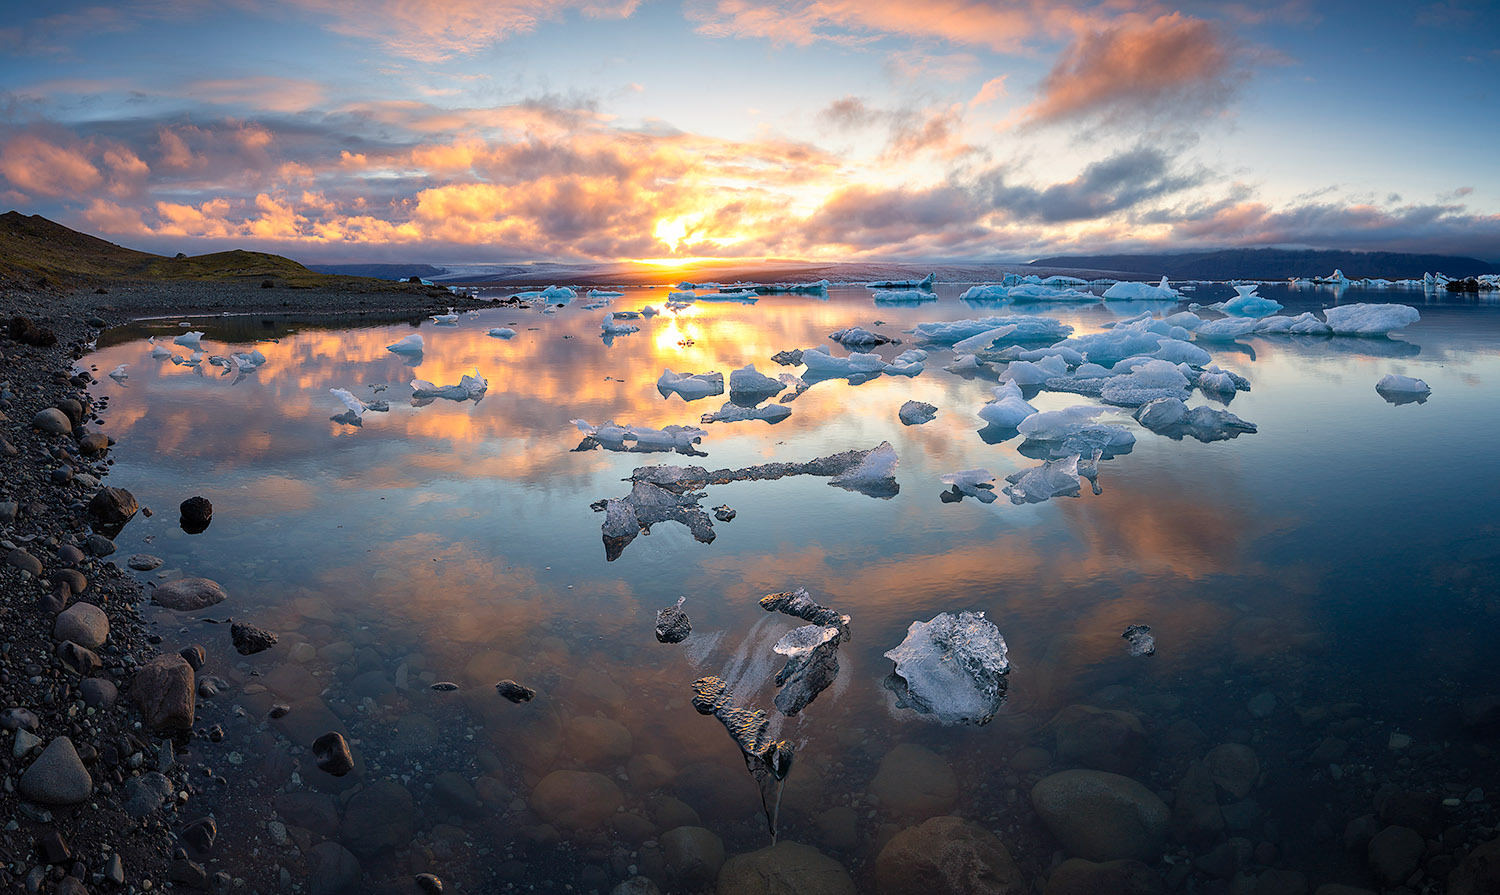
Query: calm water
(1342, 559)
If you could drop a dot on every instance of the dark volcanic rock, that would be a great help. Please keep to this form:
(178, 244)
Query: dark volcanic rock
(515, 692)
(336, 872)
(27, 333)
(672, 624)
(332, 753)
(164, 689)
(249, 640)
(948, 854)
(189, 594)
(57, 777)
(378, 818)
(197, 510)
(82, 661)
(113, 506)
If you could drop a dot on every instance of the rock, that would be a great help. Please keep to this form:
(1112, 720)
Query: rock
(83, 623)
(335, 870)
(146, 793)
(575, 800)
(1340, 889)
(70, 886)
(70, 555)
(597, 742)
(19, 719)
(1076, 876)
(1478, 873)
(379, 818)
(331, 751)
(92, 444)
(1263, 705)
(194, 655)
(249, 640)
(310, 810)
(947, 856)
(57, 777)
(636, 885)
(143, 562)
(188, 594)
(200, 835)
(1233, 767)
(24, 561)
(515, 692)
(838, 828)
(52, 421)
(98, 692)
(672, 624)
(916, 782)
(113, 506)
(73, 578)
(80, 660)
(693, 856)
(1226, 859)
(724, 513)
(1196, 818)
(1102, 816)
(25, 741)
(28, 333)
(196, 511)
(1422, 811)
(99, 545)
(1102, 739)
(1276, 881)
(1394, 853)
(163, 689)
(915, 413)
(428, 883)
(787, 868)
(456, 794)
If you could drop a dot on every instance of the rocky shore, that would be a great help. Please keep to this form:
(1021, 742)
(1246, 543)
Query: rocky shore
(97, 736)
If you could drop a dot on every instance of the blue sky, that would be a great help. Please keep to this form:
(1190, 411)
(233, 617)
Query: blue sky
(811, 129)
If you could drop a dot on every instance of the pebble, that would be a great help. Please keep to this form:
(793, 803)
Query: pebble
(143, 562)
(57, 776)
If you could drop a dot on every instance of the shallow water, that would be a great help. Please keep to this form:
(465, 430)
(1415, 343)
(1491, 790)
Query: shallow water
(1343, 558)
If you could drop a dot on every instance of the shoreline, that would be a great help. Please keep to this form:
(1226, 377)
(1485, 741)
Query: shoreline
(84, 819)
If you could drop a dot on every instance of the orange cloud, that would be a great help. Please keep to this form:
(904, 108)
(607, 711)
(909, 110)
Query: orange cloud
(37, 166)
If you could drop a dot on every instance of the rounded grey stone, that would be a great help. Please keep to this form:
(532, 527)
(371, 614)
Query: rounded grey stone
(83, 623)
(58, 776)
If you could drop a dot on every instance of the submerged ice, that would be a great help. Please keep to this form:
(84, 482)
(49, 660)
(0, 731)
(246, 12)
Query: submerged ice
(952, 667)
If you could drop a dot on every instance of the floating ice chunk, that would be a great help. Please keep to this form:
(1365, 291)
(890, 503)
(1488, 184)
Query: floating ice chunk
(604, 293)
(560, 295)
(874, 475)
(690, 386)
(649, 311)
(1008, 409)
(412, 344)
(157, 351)
(1172, 418)
(355, 405)
(118, 374)
(1141, 291)
(924, 283)
(595, 305)
(468, 387)
(1024, 372)
(907, 363)
(449, 319)
(768, 760)
(1054, 478)
(747, 383)
(244, 363)
(1185, 319)
(859, 337)
(1147, 382)
(821, 364)
(1400, 389)
(915, 413)
(1113, 345)
(189, 340)
(646, 505)
(1139, 642)
(985, 293)
(615, 437)
(1303, 324)
(903, 296)
(503, 332)
(1337, 278)
(739, 413)
(967, 365)
(609, 327)
(1247, 304)
(952, 667)
(1226, 329)
(1179, 352)
(976, 483)
(1026, 329)
(744, 298)
(1027, 292)
(1055, 425)
(1213, 380)
(812, 664)
(1370, 319)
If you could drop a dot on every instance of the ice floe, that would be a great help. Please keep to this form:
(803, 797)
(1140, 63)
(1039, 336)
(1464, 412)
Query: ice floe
(1403, 389)
(613, 436)
(1054, 478)
(811, 650)
(739, 413)
(690, 386)
(118, 374)
(916, 413)
(189, 340)
(502, 332)
(159, 352)
(609, 326)
(1172, 418)
(1370, 319)
(1139, 641)
(412, 344)
(448, 319)
(902, 296)
(1125, 290)
(822, 364)
(952, 667)
(559, 295)
(1016, 329)
(604, 293)
(859, 337)
(1025, 372)
(769, 760)
(976, 483)
(907, 363)
(468, 387)
(1247, 304)
(747, 383)
(1008, 409)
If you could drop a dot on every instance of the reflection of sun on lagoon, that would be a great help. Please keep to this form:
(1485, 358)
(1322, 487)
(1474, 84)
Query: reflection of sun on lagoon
(677, 330)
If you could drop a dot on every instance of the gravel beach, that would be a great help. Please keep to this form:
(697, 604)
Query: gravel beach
(100, 754)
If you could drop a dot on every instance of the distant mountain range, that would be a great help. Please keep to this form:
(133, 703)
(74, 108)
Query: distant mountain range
(1275, 264)
(381, 271)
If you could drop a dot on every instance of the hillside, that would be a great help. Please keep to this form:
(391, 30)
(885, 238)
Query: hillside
(35, 251)
(1275, 264)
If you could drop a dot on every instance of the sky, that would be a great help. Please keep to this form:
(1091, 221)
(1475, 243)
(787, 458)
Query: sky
(819, 130)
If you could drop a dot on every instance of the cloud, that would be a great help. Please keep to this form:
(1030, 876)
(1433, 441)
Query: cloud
(1120, 182)
(34, 165)
(989, 92)
(849, 113)
(1173, 64)
(263, 93)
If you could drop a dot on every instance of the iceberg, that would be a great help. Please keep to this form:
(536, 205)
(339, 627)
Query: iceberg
(643, 439)
(1179, 352)
(1124, 290)
(1054, 478)
(1114, 345)
(1008, 409)
(157, 351)
(952, 667)
(907, 363)
(468, 387)
(768, 760)
(967, 365)
(744, 298)
(189, 340)
(609, 327)
(903, 296)
(874, 475)
(739, 413)
(1147, 382)
(821, 364)
(690, 386)
(976, 483)
(986, 293)
(859, 337)
(604, 293)
(916, 413)
(595, 305)
(1337, 278)
(1369, 319)
(118, 374)
(1402, 389)
(1247, 304)
(811, 650)
(646, 505)
(1023, 372)
(747, 383)
(502, 333)
(1030, 293)
(924, 283)
(1172, 418)
(412, 344)
(1226, 329)
(1212, 380)
(448, 319)
(1025, 329)
(1303, 324)
(558, 295)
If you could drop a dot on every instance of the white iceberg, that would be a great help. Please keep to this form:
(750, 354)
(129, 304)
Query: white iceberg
(1226, 329)
(916, 413)
(967, 365)
(412, 344)
(1369, 319)
(1054, 478)
(613, 436)
(976, 483)
(903, 296)
(560, 295)
(858, 337)
(468, 387)
(1023, 372)
(355, 405)
(874, 475)
(744, 298)
(448, 319)
(1402, 389)
(952, 667)
(1025, 329)
(1247, 304)
(1114, 345)
(1179, 352)
(503, 332)
(739, 413)
(610, 327)
(157, 351)
(1032, 293)
(1212, 380)
(907, 363)
(189, 340)
(1303, 324)
(747, 382)
(1124, 290)
(690, 386)
(821, 364)
(1147, 382)
(1171, 417)
(604, 293)
(1008, 409)
(986, 293)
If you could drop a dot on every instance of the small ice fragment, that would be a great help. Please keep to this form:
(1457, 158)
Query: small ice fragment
(1247, 304)
(924, 283)
(609, 327)
(739, 413)
(448, 319)
(502, 333)
(1008, 409)
(189, 340)
(915, 413)
(952, 667)
(859, 337)
(614, 437)
(907, 363)
(672, 624)
(690, 386)
(1400, 389)
(118, 374)
(746, 382)
(1141, 643)
(412, 344)
(791, 358)
(823, 365)
(604, 293)
(1054, 478)
(976, 483)
(874, 475)
(468, 387)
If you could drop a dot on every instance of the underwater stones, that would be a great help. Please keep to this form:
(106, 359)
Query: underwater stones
(672, 624)
(1076, 876)
(1234, 768)
(164, 690)
(1139, 641)
(1196, 817)
(768, 760)
(1102, 739)
(784, 868)
(335, 870)
(947, 856)
(1394, 853)
(378, 818)
(249, 639)
(693, 856)
(143, 562)
(515, 692)
(576, 800)
(952, 667)
(189, 594)
(331, 751)
(1102, 816)
(914, 781)
(595, 741)
(1478, 873)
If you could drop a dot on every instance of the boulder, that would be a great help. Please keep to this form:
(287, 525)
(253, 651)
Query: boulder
(1394, 853)
(52, 421)
(113, 506)
(378, 819)
(1234, 767)
(947, 856)
(164, 689)
(1102, 816)
(914, 781)
(83, 623)
(1102, 739)
(58, 776)
(1478, 873)
(1076, 876)
(1196, 818)
(787, 868)
(189, 594)
(335, 870)
(693, 856)
(576, 800)
(249, 639)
